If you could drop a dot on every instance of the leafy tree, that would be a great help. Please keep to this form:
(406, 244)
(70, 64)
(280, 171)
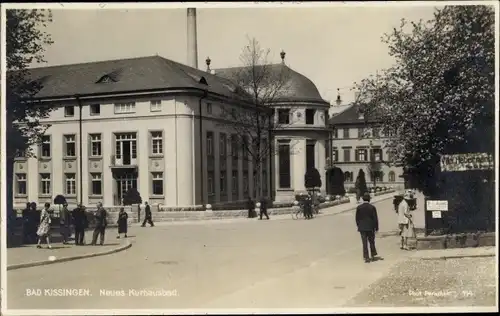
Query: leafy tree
(26, 40)
(132, 197)
(312, 179)
(264, 83)
(360, 184)
(440, 93)
(375, 170)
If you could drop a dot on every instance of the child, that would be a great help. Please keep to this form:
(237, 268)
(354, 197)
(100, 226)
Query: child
(122, 222)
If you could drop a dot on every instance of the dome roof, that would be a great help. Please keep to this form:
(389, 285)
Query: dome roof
(287, 84)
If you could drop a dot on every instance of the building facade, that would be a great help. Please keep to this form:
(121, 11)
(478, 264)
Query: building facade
(356, 143)
(156, 125)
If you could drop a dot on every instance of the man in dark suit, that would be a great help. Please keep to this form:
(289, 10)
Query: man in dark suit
(80, 223)
(64, 222)
(148, 218)
(263, 207)
(367, 222)
(251, 207)
(100, 225)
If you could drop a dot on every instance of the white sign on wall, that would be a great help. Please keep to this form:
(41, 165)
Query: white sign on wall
(436, 214)
(437, 205)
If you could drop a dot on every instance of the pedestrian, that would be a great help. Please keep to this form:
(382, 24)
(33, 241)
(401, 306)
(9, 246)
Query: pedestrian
(80, 222)
(308, 206)
(367, 222)
(33, 220)
(251, 207)
(64, 222)
(43, 231)
(26, 223)
(406, 227)
(100, 226)
(263, 207)
(122, 222)
(148, 217)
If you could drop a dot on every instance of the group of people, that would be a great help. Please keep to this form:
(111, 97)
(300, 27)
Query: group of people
(38, 224)
(367, 222)
(264, 204)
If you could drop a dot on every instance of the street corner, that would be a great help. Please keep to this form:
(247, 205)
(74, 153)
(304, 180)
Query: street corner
(27, 257)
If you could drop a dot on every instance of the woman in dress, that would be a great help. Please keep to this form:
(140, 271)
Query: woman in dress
(122, 222)
(405, 222)
(44, 228)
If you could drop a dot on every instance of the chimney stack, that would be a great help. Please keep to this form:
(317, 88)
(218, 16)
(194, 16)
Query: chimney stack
(192, 40)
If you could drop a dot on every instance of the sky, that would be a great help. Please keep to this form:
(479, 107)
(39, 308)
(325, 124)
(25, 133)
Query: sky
(331, 45)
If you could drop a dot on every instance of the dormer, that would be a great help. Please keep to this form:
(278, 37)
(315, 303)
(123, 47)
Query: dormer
(203, 81)
(105, 79)
(110, 77)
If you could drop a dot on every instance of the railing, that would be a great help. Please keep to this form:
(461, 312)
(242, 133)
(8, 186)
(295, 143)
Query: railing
(118, 161)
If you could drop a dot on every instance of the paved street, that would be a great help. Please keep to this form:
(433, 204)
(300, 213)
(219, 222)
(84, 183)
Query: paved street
(247, 264)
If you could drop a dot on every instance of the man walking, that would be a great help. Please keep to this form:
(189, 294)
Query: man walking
(80, 223)
(148, 218)
(367, 222)
(263, 207)
(100, 226)
(64, 222)
(251, 207)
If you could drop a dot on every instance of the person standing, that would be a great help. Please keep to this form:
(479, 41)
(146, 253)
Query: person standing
(43, 231)
(80, 223)
(100, 226)
(122, 222)
(367, 223)
(308, 207)
(406, 227)
(263, 207)
(251, 207)
(64, 221)
(148, 217)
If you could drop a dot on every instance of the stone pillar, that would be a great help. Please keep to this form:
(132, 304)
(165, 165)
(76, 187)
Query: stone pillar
(299, 164)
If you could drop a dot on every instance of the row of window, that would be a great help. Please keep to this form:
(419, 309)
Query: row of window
(95, 144)
(120, 108)
(96, 184)
(377, 176)
(235, 188)
(362, 133)
(361, 155)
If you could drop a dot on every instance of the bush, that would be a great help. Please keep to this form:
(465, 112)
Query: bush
(360, 185)
(131, 197)
(312, 179)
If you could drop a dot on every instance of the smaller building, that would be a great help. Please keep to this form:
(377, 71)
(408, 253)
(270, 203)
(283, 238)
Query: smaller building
(356, 142)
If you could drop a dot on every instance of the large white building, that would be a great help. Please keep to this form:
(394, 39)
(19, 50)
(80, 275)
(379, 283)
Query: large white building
(156, 125)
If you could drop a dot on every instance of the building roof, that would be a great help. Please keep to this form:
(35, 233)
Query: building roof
(350, 116)
(127, 75)
(295, 86)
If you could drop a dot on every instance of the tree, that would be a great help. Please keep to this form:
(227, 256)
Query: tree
(338, 182)
(132, 197)
(360, 184)
(312, 179)
(26, 40)
(265, 84)
(440, 90)
(375, 170)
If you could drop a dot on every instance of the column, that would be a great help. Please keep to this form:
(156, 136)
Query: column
(143, 150)
(299, 164)
(107, 174)
(184, 150)
(320, 163)
(57, 176)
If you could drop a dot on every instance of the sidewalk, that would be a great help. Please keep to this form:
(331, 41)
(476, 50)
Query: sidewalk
(29, 256)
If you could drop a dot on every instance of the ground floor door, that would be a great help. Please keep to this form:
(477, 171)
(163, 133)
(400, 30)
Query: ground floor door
(124, 182)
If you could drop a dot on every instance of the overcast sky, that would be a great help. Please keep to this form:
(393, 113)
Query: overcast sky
(333, 46)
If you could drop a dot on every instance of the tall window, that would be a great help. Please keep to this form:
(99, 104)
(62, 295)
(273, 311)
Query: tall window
(310, 155)
(45, 150)
(235, 181)
(346, 133)
(157, 143)
(157, 183)
(210, 143)
(335, 133)
(126, 147)
(95, 109)
(376, 154)
(234, 146)
(348, 176)
(70, 183)
(69, 111)
(209, 108)
(223, 182)
(361, 155)
(123, 108)
(21, 187)
(245, 182)
(95, 145)
(69, 145)
(310, 116)
(210, 183)
(335, 154)
(155, 106)
(392, 176)
(347, 154)
(283, 116)
(284, 165)
(96, 183)
(222, 144)
(45, 184)
(361, 132)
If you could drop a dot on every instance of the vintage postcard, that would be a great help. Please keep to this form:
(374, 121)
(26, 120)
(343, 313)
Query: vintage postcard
(248, 158)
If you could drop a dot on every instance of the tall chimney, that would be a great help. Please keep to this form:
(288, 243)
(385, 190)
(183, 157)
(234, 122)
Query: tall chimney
(192, 45)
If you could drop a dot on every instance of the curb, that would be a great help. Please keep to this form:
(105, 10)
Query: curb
(460, 257)
(66, 259)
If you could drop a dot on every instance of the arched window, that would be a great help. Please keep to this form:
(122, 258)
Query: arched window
(392, 176)
(348, 176)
